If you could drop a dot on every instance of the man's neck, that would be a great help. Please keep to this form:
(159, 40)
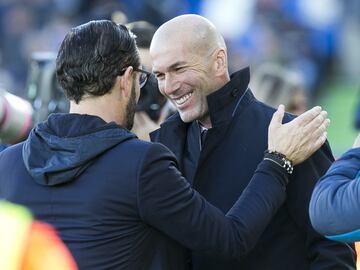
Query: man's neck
(205, 122)
(98, 106)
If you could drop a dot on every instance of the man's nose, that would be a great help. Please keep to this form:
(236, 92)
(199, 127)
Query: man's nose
(170, 84)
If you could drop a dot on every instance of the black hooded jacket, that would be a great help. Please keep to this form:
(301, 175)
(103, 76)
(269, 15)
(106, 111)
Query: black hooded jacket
(121, 203)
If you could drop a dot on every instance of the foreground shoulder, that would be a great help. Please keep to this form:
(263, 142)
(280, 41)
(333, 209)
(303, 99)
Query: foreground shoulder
(146, 149)
(11, 151)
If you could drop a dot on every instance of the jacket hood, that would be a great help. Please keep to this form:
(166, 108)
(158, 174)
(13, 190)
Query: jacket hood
(58, 150)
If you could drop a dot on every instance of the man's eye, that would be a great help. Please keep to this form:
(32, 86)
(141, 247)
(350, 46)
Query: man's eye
(159, 76)
(179, 69)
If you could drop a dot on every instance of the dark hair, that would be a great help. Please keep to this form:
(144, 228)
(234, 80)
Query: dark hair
(92, 55)
(143, 31)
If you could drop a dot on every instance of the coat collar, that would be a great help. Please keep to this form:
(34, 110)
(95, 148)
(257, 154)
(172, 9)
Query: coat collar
(223, 102)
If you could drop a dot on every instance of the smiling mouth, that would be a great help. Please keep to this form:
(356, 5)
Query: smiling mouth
(183, 99)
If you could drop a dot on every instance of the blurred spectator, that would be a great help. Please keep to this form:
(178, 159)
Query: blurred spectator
(275, 85)
(144, 32)
(298, 33)
(29, 245)
(334, 206)
(17, 20)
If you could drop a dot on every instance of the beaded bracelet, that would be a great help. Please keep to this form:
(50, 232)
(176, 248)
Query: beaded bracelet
(279, 159)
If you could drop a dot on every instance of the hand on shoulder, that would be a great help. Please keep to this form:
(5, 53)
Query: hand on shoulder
(299, 138)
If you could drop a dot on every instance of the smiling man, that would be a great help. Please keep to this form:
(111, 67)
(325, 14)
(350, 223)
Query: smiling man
(219, 137)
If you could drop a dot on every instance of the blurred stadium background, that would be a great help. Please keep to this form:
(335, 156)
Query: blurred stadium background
(319, 40)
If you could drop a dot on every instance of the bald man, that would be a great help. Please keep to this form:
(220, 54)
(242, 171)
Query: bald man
(219, 136)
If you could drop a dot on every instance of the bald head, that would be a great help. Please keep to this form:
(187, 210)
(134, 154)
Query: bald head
(189, 60)
(192, 31)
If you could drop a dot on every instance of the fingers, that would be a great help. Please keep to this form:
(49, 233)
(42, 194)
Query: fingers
(357, 142)
(310, 149)
(321, 129)
(278, 116)
(320, 122)
(307, 116)
(319, 142)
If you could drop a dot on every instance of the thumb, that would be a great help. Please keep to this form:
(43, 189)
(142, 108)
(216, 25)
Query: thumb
(278, 116)
(357, 142)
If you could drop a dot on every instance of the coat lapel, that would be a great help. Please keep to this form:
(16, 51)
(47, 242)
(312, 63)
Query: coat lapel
(214, 138)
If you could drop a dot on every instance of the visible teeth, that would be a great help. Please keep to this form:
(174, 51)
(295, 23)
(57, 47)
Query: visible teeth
(183, 99)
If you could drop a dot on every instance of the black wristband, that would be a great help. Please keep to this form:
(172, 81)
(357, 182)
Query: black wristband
(273, 169)
(279, 159)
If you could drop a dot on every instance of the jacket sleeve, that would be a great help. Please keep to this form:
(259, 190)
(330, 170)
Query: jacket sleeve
(335, 203)
(322, 252)
(167, 202)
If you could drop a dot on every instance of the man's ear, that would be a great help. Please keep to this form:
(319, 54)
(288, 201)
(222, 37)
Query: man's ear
(126, 81)
(220, 60)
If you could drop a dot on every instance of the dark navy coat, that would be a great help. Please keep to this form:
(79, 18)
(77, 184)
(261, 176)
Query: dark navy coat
(222, 170)
(121, 203)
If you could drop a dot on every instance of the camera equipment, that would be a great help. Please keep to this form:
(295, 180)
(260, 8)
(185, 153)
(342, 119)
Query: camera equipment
(151, 100)
(44, 92)
(15, 118)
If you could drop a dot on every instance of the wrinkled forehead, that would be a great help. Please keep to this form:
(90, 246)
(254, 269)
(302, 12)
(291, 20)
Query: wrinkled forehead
(166, 54)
